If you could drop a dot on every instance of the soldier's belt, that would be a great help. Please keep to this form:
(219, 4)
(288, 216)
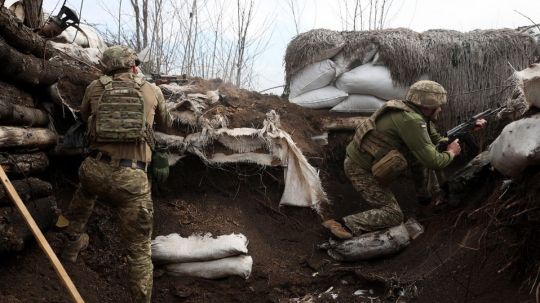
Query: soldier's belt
(121, 162)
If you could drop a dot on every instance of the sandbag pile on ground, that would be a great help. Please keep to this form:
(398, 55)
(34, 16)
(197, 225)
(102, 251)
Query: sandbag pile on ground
(372, 67)
(203, 256)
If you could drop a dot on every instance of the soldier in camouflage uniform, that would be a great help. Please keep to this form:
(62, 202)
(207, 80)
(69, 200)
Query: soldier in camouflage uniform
(120, 109)
(397, 136)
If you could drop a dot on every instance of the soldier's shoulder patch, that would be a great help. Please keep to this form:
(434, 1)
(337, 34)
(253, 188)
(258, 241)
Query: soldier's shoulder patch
(423, 125)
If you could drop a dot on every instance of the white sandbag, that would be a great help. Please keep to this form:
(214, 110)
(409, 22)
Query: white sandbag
(369, 79)
(528, 81)
(311, 77)
(517, 147)
(216, 269)
(370, 245)
(177, 249)
(325, 97)
(363, 104)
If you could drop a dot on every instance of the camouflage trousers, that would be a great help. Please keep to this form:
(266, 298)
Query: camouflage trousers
(385, 211)
(128, 191)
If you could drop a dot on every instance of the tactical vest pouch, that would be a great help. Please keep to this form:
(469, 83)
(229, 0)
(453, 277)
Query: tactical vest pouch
(389, 167)
(120, 116)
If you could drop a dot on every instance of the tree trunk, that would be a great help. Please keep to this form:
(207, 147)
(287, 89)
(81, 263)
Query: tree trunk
(21, 115)
(27, 138)
(28, 189)
(32, 13)
(14, 233)
(24, 164)
(14, 95)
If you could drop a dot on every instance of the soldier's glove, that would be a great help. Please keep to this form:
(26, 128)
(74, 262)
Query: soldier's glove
(160, 164)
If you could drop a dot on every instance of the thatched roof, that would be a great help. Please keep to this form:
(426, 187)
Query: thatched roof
(472, 66)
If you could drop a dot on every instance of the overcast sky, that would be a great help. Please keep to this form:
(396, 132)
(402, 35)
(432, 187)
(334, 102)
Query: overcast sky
(419, 15)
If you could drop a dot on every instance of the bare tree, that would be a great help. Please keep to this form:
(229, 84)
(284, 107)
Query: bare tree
(374, 12)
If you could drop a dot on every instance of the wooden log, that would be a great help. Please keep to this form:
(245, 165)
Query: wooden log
(28, 189)
(14, 114)
(24, 164)
(14, 233)
(15, 95)
(338, 123)
(22, 37)
(26, 138)
(71, 75)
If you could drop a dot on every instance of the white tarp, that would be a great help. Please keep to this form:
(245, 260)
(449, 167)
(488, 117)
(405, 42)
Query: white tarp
(312, 77)
(268, 146)
(325, 97)
(303, 186)
(86, 36)
(517, 147)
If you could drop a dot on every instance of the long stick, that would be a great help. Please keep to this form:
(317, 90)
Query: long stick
(14, 196)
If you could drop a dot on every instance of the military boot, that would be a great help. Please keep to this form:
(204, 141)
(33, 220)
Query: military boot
(337, 229)
(73, 247)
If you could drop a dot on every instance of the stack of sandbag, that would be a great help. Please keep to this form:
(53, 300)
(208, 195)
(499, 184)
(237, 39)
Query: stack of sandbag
(331, 83)
(203, 256)
(372, 67)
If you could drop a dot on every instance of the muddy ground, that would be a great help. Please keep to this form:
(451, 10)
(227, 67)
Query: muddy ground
(442, 265)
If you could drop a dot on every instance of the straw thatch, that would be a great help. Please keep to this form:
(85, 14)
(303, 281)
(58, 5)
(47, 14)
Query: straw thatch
(472, 66)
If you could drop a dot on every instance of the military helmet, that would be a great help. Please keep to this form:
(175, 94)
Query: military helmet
(427, 93)
(118, 57)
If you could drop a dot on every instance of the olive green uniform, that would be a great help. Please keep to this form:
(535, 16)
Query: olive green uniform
(125, 188)
(408, 132)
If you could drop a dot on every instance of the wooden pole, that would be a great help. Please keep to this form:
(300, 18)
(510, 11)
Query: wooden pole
(62, 274)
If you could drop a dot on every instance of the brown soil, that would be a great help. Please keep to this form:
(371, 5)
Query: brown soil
(437, 267)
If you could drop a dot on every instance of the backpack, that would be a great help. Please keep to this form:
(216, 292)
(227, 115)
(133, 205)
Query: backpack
(119, 115)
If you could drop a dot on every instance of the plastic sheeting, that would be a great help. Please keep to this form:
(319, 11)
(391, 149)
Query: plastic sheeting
(517, 147)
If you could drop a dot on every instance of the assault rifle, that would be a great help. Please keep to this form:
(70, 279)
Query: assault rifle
(165, 79)
(463, 131)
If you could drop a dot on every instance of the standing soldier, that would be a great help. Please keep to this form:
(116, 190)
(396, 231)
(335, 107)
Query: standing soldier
(398, 135)
(120, 109)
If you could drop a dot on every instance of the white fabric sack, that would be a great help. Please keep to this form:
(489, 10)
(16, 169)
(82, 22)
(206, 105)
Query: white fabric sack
(517, 147)
(529, 83)
(325, 97)
(216, 269)
(364, 104)
(369, 245)
(311, 77)
(176, 249)
(369, 79)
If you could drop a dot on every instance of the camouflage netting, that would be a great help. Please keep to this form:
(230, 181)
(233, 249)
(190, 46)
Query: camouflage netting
(473, 66)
